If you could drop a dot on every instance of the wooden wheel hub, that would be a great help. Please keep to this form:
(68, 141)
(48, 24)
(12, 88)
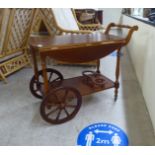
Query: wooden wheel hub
(62, 105)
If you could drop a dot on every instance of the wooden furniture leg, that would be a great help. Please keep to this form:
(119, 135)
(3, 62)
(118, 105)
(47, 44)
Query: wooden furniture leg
(34, 59)
(117, 74)
(98, 66)
(43, 64)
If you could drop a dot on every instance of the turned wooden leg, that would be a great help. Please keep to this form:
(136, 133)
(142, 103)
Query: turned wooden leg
(34, 59)
(98, 66)
(43, 64)
(117, 72)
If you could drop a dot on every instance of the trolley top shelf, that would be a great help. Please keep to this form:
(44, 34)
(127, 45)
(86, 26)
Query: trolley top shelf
(43, 43)
(77, 48)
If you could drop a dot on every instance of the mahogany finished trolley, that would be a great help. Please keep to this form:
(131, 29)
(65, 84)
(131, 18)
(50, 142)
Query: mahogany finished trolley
(62, 98)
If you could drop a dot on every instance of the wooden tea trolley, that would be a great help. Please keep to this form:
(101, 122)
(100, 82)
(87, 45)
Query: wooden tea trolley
(61, 97)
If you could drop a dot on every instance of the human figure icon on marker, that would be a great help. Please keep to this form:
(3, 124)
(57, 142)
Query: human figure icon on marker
(89, 138)
(116, 140)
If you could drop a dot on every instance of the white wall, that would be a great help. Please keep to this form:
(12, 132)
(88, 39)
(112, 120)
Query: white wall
(142, 52)
(111, 15)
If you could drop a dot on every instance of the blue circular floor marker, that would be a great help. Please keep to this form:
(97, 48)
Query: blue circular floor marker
(102, 134)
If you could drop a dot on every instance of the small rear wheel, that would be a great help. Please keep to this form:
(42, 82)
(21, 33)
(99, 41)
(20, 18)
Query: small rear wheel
(60, 105)
(54, 80)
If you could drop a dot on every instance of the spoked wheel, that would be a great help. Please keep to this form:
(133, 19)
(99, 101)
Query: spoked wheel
(61, 105)
(54, 80)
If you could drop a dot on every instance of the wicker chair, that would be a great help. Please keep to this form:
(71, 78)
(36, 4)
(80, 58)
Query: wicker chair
(64, 21)
(91, 27)
(15, 29)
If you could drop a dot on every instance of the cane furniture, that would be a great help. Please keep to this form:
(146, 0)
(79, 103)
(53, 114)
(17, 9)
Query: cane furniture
(15, 29)
(64, 21)
(89, 16)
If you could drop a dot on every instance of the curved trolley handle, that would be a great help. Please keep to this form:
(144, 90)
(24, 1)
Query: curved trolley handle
(131, 30)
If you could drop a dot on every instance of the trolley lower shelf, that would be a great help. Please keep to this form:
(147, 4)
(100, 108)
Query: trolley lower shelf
(85, 89)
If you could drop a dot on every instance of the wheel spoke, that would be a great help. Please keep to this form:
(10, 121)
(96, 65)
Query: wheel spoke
(57, 118)
(54, 110)
(38, 82)
(38, 86)
(50, 77)
(66, 111)
(56, 79)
